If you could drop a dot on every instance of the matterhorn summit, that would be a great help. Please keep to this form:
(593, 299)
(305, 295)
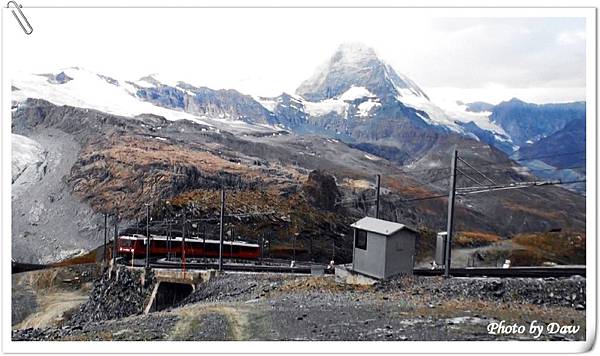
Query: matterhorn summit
(357, 65)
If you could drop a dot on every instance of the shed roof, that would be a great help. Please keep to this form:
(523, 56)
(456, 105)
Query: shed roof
(378, 226)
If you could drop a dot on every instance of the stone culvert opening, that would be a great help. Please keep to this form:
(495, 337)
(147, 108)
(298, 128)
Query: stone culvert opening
(169, 294)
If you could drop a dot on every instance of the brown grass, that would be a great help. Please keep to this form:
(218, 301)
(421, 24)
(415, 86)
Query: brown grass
(405, 186)
(516, 208)
(320, 284)
(115, 174)
(475, 238)
(86, 258)
(557, 247)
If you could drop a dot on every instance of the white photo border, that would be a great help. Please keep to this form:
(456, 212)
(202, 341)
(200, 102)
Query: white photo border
(469, 8)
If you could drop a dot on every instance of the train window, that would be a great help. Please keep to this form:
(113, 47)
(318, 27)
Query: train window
(360, 240)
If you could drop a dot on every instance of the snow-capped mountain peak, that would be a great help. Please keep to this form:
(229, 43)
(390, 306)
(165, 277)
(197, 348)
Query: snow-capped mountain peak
(353, 53)
(356, 74)
(78, 87)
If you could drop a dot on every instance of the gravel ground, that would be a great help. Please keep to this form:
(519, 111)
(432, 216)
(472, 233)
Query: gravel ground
(137, 328)
(24, 303)
(290, 307)
(568, 292)
(235, 287)
(114, 297)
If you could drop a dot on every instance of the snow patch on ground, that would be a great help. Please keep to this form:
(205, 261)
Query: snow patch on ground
(25, 153)
(365, 107)
(372, 158)
(324, 107)
(355, 93)
(436, 115)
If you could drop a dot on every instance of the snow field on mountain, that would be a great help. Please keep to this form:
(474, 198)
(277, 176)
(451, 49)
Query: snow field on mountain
(90, 91)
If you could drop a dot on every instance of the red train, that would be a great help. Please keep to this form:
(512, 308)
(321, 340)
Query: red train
(160, 246)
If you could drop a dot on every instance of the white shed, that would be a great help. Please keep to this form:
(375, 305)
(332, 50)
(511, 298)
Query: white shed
(383, 249)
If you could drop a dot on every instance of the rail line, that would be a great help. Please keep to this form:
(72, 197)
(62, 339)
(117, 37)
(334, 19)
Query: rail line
(512, 272)
(238, 267)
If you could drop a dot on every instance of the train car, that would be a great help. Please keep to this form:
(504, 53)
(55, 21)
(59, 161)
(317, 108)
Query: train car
(160, 246)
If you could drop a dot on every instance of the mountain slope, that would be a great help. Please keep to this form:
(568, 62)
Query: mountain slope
(564, 148)
(100, 163)
(526, 123)
(558, 156)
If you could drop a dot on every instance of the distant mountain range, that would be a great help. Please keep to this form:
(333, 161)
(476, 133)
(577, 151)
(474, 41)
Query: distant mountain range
(354, 96)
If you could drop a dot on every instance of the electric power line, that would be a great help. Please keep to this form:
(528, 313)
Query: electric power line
(469, 177)
(519, 185)
(489, 164)
(476, 170)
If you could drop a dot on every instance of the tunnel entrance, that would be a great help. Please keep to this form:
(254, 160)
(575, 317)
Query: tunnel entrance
(169, 294)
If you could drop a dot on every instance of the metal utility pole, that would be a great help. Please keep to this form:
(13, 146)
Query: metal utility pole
(378, 186)
(262, 248)
(169, 238)
(114, 255)
(294, 247)
(147, 235)
(221, 229)
(105, 237)
(204, 245)
(184, 222)
(450, 214)
(231, 241)
(333, 249)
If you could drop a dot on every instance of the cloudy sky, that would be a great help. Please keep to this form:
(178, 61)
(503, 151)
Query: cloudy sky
(267, 51)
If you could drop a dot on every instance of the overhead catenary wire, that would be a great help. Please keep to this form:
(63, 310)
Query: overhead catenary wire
(476, 170)
(469, 177)
(482, 173)
(527, 169)
(490, 164)
(520, 185)
(463, 191)
(423, 198)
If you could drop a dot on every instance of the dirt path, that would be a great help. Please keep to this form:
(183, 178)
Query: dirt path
(53, 307)
(211, 322)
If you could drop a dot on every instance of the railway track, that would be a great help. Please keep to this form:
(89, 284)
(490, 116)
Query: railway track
(279, 267)
(514, 272)
(238, 267)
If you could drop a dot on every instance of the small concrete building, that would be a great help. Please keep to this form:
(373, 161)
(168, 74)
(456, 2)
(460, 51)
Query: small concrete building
(383, 249)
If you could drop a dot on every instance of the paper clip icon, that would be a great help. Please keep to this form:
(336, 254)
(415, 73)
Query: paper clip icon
(20, 16)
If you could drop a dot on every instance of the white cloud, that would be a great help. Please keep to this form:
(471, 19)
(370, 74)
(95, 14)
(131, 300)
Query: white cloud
(267, 51)
(568, 38)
